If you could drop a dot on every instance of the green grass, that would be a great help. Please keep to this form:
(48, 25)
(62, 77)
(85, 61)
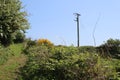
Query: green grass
(16, 49)
(16, 60)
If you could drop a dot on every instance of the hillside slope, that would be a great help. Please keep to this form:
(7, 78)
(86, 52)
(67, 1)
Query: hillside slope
(9, 69)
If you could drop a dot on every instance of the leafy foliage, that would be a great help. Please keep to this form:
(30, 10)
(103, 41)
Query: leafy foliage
(111, 48)
(116, 63)
(19, 37)
(90, 49)
(65, 63)
(12, 20)
(27, 44)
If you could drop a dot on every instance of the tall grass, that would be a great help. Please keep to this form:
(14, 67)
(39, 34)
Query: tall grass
(7, 52)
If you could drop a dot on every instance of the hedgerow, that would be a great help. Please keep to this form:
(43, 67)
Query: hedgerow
(66, 63)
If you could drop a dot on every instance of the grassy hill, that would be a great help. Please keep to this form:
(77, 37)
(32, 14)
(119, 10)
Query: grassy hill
(12, 60)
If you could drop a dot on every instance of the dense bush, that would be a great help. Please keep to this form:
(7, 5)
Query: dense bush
(65, 63)
(110, 48)
(116, 63)
(27, 44)
(19, 37)
(90, 49)
(44, 42)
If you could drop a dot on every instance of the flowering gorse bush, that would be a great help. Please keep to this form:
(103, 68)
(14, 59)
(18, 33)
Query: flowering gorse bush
(44, 42)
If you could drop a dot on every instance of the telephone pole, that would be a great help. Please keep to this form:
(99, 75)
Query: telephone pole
(77, 20)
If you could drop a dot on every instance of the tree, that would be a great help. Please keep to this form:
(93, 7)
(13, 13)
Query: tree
(19, 37)
(12, 19)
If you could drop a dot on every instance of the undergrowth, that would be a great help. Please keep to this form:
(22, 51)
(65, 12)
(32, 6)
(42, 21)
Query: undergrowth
(66, 63)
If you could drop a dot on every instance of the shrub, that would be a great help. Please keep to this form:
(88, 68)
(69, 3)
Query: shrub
(30, 43)
(110, 48)
(90, 49)
(19, 37)
(27, 44)
(65, 63)
(116, 63)
(38, 56)
(45, 42)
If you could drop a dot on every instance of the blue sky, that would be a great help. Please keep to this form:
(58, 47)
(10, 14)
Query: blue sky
(54, 20)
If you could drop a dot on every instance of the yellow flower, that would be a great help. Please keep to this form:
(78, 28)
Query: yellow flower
(44, 42)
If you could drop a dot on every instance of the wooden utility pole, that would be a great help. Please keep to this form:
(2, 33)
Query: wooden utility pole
(77, 20)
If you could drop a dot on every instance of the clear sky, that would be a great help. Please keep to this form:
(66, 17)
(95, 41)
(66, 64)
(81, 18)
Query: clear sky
(54, 20)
